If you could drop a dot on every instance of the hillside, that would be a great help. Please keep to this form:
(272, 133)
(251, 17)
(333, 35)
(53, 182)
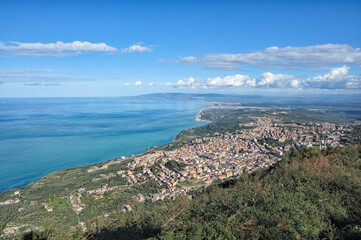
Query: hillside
(310, 194)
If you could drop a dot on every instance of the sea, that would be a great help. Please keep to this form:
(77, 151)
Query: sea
(41, 135)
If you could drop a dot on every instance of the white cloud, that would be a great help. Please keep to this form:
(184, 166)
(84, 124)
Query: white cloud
(335, 74)
(189, 59)
(138, 47)
(185, 82)
(52, 84)
(32, 84)
(353, 83)
(337, 78)
(55, 49)
(24, 71)
(251, 83)
(277, 81)
(268, 80)
(237, 80)
(139, 83)
(42, 76)
(276, 57)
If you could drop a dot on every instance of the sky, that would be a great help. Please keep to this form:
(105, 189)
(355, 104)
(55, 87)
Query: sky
(121, 48)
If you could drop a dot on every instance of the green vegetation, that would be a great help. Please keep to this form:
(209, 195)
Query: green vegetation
(149, 187)
(275, 143)
(173, 164)
(58, 204)
(52, 189)
(191, 183)
(310, 194)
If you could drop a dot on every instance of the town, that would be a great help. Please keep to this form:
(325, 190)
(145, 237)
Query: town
(200, 162)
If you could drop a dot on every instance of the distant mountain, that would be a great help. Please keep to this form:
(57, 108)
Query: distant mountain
(296, 101)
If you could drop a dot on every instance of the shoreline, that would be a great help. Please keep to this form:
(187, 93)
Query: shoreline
(199, 116)
(197, 119)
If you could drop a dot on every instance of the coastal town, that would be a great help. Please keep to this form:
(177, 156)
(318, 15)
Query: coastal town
(201, 161)
(212, 158)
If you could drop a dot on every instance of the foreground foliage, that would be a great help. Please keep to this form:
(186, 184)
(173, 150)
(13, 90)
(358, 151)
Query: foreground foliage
(310, 194)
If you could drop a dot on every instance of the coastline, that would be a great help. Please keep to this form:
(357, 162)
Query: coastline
(199, 116)
(197, 119)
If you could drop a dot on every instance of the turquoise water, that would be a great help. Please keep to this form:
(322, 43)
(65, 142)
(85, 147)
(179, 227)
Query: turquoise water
(39, 136)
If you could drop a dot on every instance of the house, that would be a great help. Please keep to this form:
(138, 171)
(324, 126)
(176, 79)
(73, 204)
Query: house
(48, 208)
(78, 208)
(128, 208)
(141, 198)
(155, 197)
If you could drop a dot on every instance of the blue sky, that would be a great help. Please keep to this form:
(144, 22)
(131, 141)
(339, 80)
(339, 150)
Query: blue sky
(118, 48)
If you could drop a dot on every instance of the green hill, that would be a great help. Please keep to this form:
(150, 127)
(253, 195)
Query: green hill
(310, 194)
